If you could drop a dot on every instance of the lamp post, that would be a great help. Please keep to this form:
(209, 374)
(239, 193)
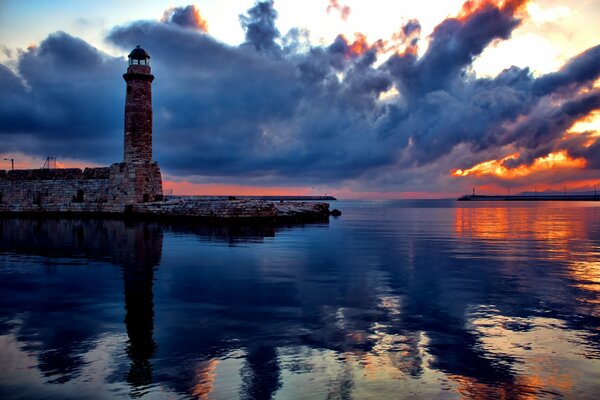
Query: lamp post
(12, 163)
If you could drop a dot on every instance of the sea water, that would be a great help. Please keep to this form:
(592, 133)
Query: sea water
(394, 299)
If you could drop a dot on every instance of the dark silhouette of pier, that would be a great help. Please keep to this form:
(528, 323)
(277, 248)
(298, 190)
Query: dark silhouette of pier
(528, 197)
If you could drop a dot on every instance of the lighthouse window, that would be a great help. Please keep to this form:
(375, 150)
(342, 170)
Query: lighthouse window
(128, 89)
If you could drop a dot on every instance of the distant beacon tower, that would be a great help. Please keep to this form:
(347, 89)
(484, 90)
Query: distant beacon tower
(138, 108)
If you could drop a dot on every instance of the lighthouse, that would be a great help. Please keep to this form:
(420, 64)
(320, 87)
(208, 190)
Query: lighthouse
(138, 108)
(137, 179)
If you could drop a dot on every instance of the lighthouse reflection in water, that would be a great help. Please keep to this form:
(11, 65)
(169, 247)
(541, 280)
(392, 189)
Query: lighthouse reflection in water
(393, 299)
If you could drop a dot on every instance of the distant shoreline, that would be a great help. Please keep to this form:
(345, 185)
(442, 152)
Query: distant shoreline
(539, 197)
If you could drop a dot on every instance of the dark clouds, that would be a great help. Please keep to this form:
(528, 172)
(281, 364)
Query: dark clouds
(66, 101)
(274, 110)
(260, 28)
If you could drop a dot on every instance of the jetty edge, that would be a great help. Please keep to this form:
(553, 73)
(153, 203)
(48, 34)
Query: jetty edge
(207, 209)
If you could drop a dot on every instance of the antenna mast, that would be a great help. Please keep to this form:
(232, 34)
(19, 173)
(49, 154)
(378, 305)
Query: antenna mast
(50, 163)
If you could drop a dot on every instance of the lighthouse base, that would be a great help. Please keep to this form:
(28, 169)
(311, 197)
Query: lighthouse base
(138, 182)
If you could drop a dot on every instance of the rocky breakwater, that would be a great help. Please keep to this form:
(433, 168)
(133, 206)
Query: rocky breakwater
(217, 209)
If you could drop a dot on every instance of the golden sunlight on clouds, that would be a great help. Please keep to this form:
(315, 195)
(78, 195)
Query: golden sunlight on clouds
(559, 160)
(389, 94)
(472, 6)
(546, 58)
(551, 32)
(590, 123)
(492, 167)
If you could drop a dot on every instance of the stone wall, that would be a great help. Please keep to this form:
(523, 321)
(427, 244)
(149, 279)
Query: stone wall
(132, 188)
(25, 190)
(56, 197)
(72, 189)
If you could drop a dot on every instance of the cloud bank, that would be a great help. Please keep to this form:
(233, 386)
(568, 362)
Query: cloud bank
(278, 110)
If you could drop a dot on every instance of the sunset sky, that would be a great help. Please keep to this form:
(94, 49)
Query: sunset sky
(357, 99)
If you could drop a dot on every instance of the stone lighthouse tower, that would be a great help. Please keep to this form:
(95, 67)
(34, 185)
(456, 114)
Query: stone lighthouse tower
(137, 179)
(138, 108)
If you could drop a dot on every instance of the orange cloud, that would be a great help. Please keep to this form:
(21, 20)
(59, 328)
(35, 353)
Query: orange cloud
(358, 47)
(558, 160)
(589, 123)
(471, 7)
(200, 22)
(187, 17)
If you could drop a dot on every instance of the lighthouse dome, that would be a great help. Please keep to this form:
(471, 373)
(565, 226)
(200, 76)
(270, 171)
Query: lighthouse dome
(139, 56)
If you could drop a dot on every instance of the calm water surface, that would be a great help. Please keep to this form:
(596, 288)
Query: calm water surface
(406, 299)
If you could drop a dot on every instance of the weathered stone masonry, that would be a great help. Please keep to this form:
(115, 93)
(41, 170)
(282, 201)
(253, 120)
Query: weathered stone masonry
(138, 178)
(29, 190)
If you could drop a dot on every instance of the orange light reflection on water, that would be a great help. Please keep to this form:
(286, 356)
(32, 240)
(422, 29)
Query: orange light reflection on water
(553, 231)
(586, 274)
(507, 223)
(205, 379)
(524, 387)
(539, 368)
